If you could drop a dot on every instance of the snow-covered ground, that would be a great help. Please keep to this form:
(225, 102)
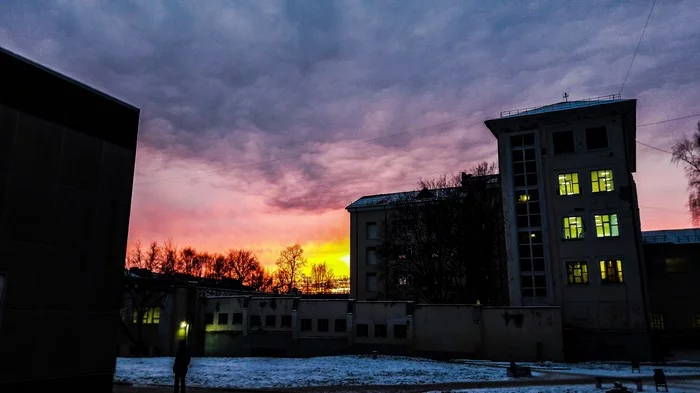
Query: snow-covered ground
(674, 387)
(363, 370)
(600, 368)
(289, 372)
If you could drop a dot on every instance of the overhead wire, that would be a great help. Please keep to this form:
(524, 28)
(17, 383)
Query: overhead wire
(638, 45)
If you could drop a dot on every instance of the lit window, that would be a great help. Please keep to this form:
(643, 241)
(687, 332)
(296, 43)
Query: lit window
(602, 181)
(606, 225)
(611, 271)
(657, 321)
(568, 184)
(151, 316)
(523, 198)
(696, 320)
(573, 228)
(577, 272)
(675, 265)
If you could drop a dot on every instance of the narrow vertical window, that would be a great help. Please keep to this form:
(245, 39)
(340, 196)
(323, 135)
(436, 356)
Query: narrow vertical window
(611, 271)
(577, 272)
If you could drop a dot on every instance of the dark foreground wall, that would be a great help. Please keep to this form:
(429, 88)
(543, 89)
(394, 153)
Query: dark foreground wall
(66, 171)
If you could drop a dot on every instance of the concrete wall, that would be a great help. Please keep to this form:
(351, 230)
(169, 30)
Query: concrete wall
(520, 334)
(447, 328)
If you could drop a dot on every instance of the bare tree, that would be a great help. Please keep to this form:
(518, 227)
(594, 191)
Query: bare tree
(261, 280)
(135, 256)
(189, 261)
(322, 278)
(152, 258)
(218, 267)
(241, 265)
(686, 151)
(170, 261)
(442, 241)
(289, 266)
(203, 264)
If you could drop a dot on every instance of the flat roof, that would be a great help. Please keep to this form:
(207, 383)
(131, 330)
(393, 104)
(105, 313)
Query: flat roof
(34, 89)
(672, 236)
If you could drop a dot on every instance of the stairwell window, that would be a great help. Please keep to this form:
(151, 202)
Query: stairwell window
(602, 181)
(568, 184)
(606, 225)
(573, 227)
(611, 271)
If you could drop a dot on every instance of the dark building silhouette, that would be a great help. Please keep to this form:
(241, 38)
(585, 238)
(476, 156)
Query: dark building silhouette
(67, 157)
(674, 273)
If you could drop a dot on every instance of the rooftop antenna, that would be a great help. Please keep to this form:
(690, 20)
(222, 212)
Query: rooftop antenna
(566, 97)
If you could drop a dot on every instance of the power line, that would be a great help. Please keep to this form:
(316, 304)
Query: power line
(638, 45)
(668, 120)
(654, 147)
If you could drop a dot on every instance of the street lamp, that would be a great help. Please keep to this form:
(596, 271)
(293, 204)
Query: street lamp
(185, 325)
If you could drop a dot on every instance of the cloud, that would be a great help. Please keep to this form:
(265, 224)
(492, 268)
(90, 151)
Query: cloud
(315, 103)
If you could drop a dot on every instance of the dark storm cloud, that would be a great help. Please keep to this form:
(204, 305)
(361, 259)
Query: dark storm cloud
(243, 82)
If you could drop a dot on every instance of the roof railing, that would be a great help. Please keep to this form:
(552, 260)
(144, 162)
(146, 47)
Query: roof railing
(561, 105)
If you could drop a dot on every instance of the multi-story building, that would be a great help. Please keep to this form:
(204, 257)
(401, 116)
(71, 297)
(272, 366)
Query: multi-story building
(572, 221)
(377, 223)
(672, 260)
(67, 157)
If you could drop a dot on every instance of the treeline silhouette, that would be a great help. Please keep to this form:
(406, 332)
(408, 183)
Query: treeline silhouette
(240, 264)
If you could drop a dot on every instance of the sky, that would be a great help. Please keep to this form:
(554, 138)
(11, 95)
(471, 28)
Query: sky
(262, 120)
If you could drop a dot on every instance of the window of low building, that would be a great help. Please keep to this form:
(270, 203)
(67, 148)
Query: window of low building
(223, 318)
(237, 318)
(151, 316)
(270, 321)
(322, 325)
(306, 324)
(380, 330)
(400, 331)
(361, 330)
(286, 321)
(340, 325)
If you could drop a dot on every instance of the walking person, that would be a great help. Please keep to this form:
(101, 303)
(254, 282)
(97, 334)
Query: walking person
(182, 362)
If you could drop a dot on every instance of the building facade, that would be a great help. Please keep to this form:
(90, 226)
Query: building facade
(673, 266)
(67, 157)
(291, 326)
(392, 235)
(572, 221)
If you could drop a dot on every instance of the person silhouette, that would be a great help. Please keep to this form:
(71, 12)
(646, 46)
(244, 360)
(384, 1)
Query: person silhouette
(182, 362)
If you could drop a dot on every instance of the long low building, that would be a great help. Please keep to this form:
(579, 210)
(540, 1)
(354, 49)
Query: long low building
(291, 326)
